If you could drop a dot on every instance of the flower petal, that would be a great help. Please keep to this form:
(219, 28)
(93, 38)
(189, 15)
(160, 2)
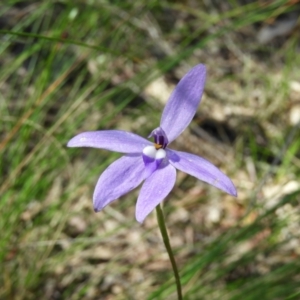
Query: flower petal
(202, 169)
(119, 178)
(113, 140)
(154, 190)
(182, 105)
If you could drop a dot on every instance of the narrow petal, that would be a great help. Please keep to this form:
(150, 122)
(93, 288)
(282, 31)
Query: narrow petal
(202, 169)
(119, 178)
(182, 105)
(154, 190)
(113, 140)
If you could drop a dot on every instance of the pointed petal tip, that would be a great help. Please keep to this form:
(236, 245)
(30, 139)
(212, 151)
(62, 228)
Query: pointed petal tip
(96, 209)
(234, 192)
(70, 144)
(198, 69)
(202, 66)
(231, 189)
(76, 141)
(140, 220)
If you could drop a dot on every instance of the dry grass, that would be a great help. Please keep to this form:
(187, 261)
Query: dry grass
(53, 245)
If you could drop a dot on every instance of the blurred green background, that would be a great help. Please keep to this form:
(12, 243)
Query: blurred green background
(71, 66)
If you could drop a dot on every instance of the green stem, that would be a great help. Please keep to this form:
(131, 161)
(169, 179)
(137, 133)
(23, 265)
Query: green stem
(164, 234)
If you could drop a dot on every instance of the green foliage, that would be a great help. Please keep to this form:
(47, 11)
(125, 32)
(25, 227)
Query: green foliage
(71, 66)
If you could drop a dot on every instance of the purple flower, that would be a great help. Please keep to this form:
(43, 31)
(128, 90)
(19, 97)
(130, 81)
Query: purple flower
(154, 163)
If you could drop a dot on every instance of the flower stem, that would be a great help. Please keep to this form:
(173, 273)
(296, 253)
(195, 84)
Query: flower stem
(164, 234)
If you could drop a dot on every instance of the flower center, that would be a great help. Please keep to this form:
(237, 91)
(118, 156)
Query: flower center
(154, 155)
(152, 158)
(160, 138)
(151, 153)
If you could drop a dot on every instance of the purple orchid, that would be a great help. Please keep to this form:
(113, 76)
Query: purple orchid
(154, 163)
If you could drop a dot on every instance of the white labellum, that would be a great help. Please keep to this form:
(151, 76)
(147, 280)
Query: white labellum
(150, 151)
